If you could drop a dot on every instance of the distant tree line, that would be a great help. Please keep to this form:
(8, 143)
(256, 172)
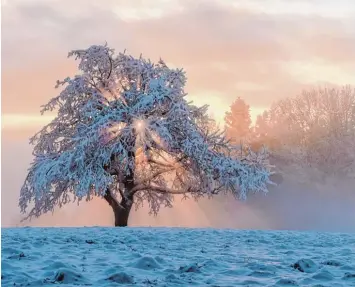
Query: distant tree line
(310, 134)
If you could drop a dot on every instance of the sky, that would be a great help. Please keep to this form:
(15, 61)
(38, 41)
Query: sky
(260, 50)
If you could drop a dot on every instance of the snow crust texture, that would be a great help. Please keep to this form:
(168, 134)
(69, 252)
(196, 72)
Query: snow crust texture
(100, 256)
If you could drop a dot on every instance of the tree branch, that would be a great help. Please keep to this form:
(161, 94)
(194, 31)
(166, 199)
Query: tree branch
(111, 66)
(121, 193)
(160, 189)
(154, 175)
(151, 160)
(112, 201)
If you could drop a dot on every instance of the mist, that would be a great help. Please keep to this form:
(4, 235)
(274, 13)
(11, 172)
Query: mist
(290, 205)
(309, 206)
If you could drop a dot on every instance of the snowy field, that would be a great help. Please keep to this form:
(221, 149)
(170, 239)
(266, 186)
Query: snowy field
(175, 257)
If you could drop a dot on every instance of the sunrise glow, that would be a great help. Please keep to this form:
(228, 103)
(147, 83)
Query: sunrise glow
(260, 51)
(205, 143)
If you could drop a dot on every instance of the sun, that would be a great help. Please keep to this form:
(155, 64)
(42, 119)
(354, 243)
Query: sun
(139, 125)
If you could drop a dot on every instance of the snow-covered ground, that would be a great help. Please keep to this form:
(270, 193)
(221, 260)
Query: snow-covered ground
(175, 257)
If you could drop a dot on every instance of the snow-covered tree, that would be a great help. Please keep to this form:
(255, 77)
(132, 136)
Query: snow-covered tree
(261, 128)
(238, 121)
(315, 131)
(125, 132)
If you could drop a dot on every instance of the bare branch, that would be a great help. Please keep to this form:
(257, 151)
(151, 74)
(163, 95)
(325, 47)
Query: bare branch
(160, 189)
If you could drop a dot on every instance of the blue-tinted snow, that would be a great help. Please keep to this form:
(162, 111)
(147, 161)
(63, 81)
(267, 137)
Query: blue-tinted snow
(175, 257)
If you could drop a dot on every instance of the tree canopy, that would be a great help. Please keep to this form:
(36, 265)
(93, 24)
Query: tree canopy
(124, 130)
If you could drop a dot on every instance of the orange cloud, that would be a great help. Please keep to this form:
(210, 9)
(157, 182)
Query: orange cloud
(227, 49)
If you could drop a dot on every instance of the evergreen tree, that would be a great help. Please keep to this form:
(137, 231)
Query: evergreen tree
(238, 121)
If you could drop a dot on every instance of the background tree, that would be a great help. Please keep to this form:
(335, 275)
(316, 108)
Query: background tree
(315, 130)
(238, 121)
(125, 132)
(262, 126)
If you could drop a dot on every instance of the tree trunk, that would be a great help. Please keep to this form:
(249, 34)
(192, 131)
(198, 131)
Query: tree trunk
(121, 210)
